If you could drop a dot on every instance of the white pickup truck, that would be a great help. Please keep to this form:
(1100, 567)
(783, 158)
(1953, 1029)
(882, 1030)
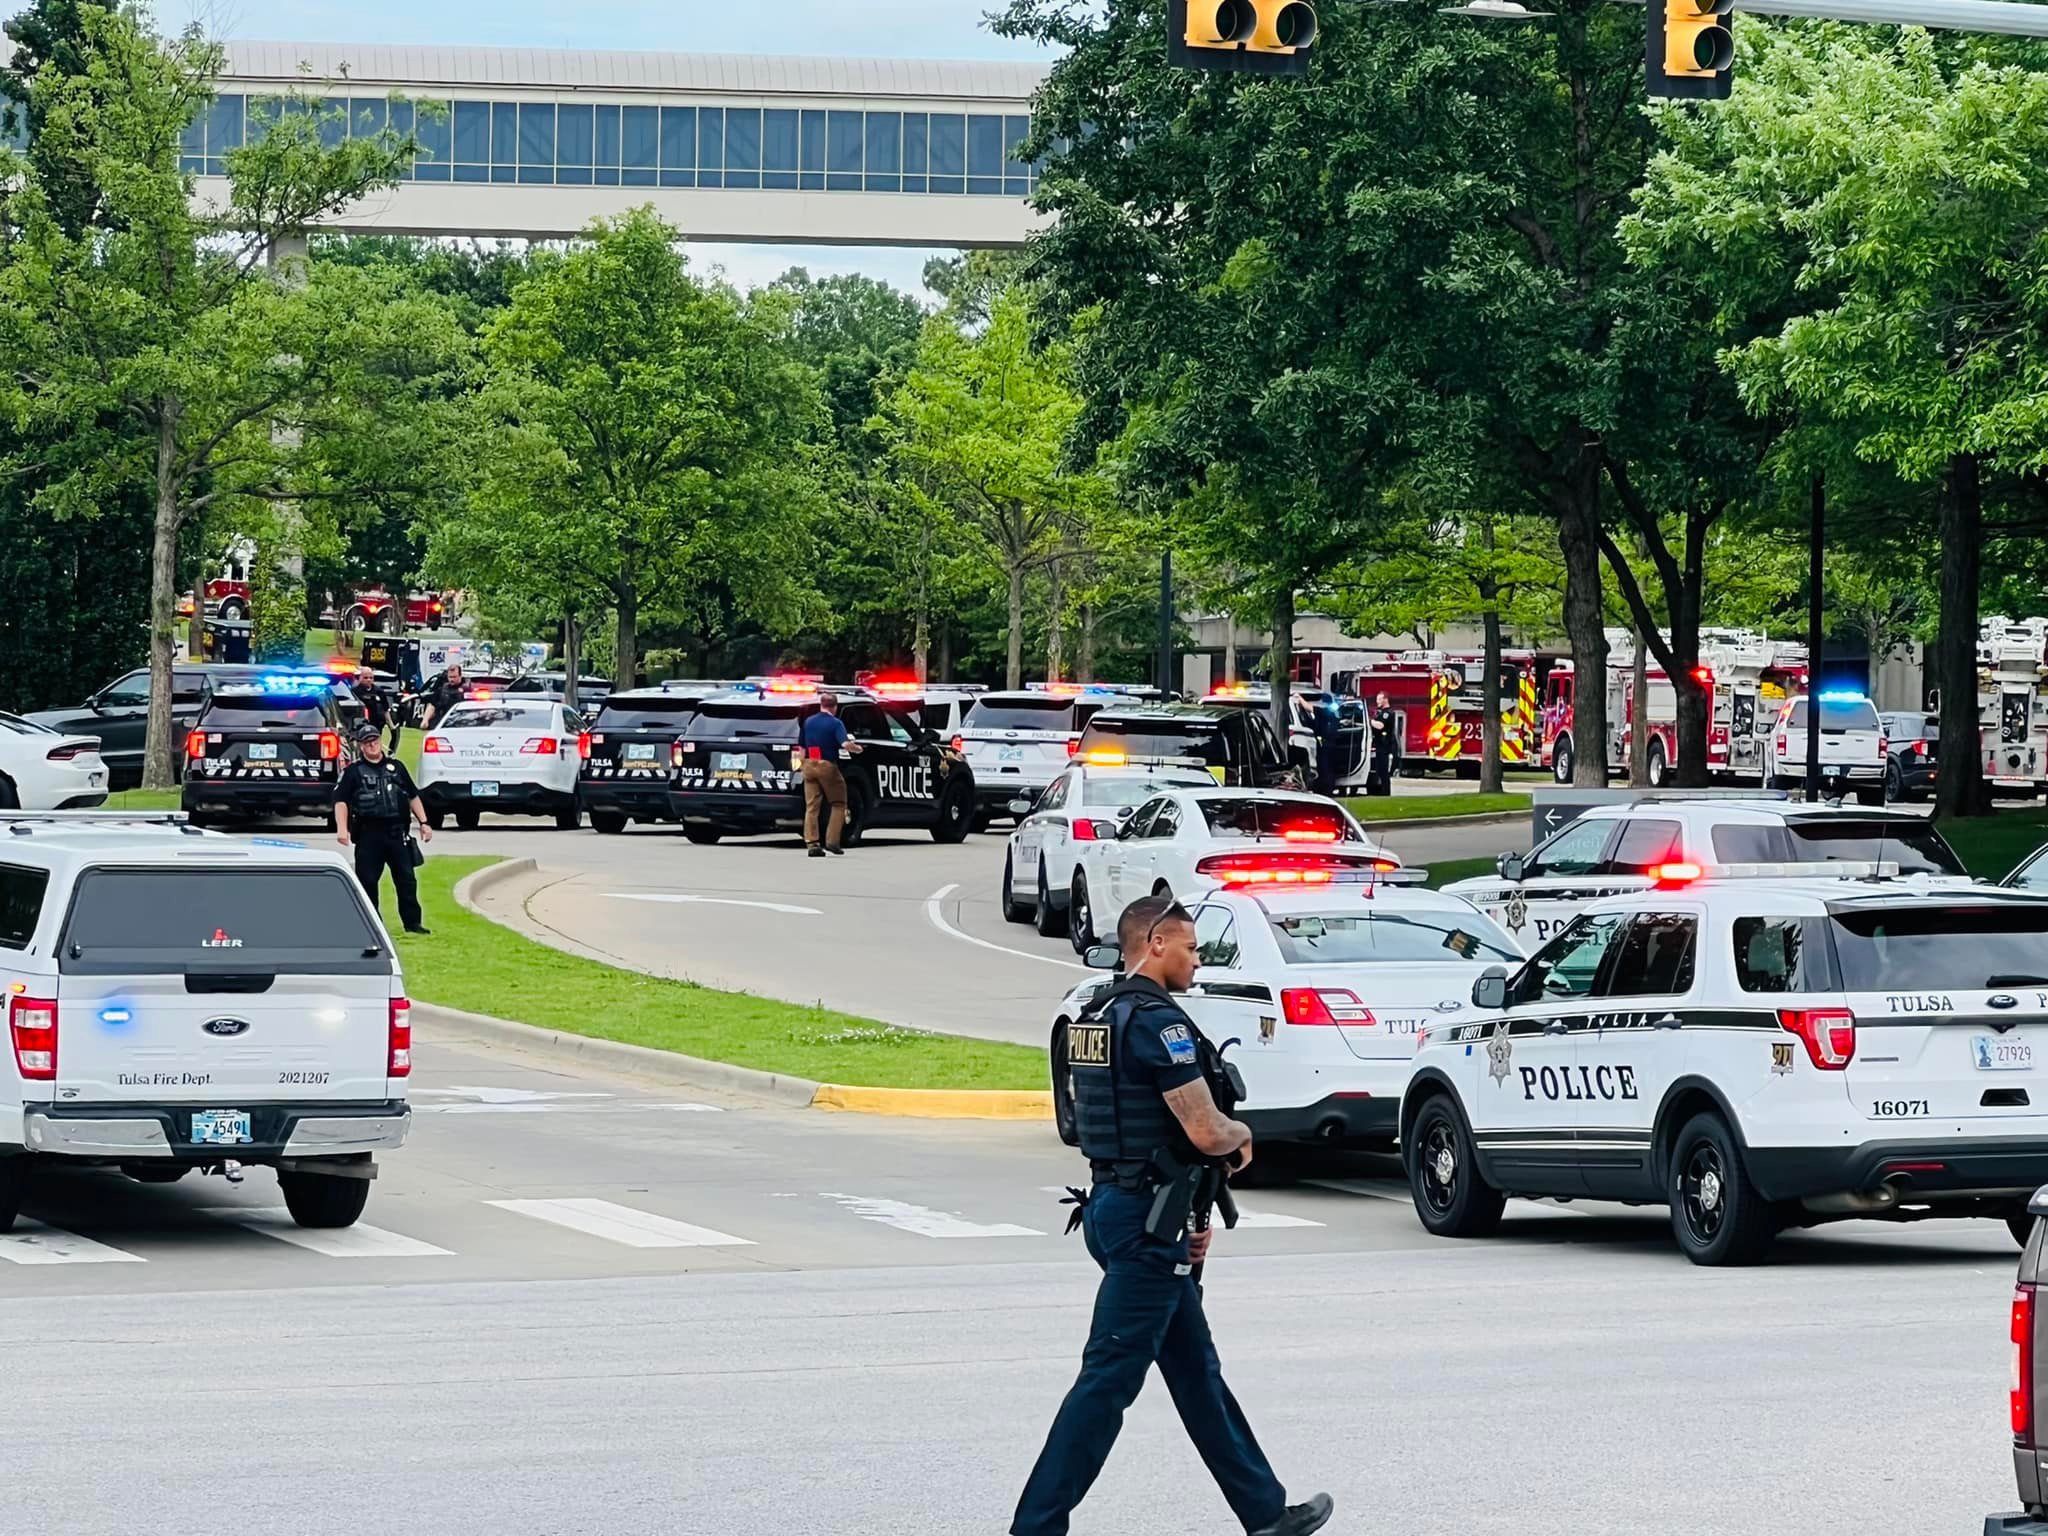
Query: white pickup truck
(177, 999)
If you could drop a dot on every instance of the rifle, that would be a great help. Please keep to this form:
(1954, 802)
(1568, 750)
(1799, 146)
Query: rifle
(1226, 1087)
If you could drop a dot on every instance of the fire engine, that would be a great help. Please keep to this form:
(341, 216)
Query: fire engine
(1659, 716)
(229, 595)
(1753, 676)
(1437, 698)
(2012, 701)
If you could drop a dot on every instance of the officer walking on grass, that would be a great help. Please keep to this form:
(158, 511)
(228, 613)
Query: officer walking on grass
(1139, 1092)
(371, 804)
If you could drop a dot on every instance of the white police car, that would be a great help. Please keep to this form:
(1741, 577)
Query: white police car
(1085, 804)
(1324, 989)
(177, 1000)
(1758, 1052)
(1614, 849)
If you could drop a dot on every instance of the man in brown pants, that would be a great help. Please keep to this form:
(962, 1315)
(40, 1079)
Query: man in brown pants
(823, 738)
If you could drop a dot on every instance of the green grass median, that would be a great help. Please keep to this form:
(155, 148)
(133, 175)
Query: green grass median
(1383, 808)
(480, 966)
(1990, 846)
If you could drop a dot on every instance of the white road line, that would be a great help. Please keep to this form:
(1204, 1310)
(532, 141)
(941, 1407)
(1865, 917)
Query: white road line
(622, 1224)
(937, 919)
(504, 1095)
(715, 901)
(925, 1221)
(33, 1243)
(1377, 1189)
(361, 1241)
(1270, 1219)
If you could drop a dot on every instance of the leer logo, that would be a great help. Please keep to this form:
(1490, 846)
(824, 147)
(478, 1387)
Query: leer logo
(220, 940)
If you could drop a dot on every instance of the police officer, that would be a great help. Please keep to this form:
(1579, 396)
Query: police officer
(823, 739)
(442, 695)
(371, 802)
(1326, 726)
(1138, 1089)
(1384, 747)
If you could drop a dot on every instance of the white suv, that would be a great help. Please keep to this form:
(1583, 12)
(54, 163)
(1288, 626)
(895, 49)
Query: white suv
(1853, 750)
(178, 1000)
(1754, 1053)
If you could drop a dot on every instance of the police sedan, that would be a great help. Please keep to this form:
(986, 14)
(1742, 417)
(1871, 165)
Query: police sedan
(1323, 991)
(515, 757)
(1085, 804)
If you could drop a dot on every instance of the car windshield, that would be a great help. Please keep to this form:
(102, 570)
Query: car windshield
(1051, 713)
(745, 722)
(669, 715)
(1931, 949)
(261, 920)
(1908, 842)
(1353, 937)
(477, 717)
(1837, 715)
(1115, 792)
(1139, 740)
(1304, 821)
(276, 712)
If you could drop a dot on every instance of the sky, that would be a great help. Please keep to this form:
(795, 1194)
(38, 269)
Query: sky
(927, 29)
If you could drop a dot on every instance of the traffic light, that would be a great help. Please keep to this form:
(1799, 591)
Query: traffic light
(1261, 37)
(1691, 51)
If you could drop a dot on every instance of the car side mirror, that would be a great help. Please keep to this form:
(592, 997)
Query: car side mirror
(1020, 807)
(1512, 867)
(1124, 813)
(1491, 989)
(1102, 957)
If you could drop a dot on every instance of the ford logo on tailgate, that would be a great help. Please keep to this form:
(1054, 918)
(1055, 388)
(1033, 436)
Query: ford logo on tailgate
(2002, 1000)
(225, 1027)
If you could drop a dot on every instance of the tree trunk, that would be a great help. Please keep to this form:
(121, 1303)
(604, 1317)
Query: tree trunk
(1638, 715)
(1489, 684)
(195, 632)
(572, 656)
(945, 652)
(163, 604)
(1013, 669)
(1584, 620)
(1283, 659)
(1229, 648)
(1084, 651)
(1959, 781)
(626, 647)
(1055, 631)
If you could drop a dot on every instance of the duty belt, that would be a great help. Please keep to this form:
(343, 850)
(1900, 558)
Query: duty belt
(1134, 1176)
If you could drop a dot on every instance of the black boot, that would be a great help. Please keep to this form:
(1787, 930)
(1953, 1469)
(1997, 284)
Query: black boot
(1300, 1519)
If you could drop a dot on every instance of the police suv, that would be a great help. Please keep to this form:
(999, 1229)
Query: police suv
(269, 746)
(632, 753)
(1018, 741)
(1762, 1052)
(177, 1000)
(1614, 849)
(741, 767)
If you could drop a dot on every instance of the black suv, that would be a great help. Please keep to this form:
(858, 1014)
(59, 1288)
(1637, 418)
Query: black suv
(265, 747)
(1238, 746)
(632, 754)
(1912, 738)
(742, 771)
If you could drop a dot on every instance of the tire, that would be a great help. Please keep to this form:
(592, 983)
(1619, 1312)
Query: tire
(856, 816)
(468, 819)
(1063, 1117)
(956, 815)
(1561, 760)
(232, 610)
(436, 819)
(1894, 780)
(1871, 796)
(703, 837)
(1717, 1215)
(355, 621)
(10, 797)
(1014, 911)
(14, 1176)
(318, 1200)
(1049, 920)
(2020, 1223)
(569, 820)
(610, 823)
(1080, 915)
(1657, 769)
(200, 819)
(156, 1173)
(1451, 1198)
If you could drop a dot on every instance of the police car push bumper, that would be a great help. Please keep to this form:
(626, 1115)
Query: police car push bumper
(130, 1132)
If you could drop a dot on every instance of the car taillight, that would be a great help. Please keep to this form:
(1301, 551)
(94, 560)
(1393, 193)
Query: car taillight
(583, 744)
(1271, 868)
(68, 751)
(400, 1062)
(436, 744)
(2023, 1364)
(195, 745)
(1829, 1033)
(33, 1023)
(676, 749)
(1073, 745)
(1323, 1005)
(1307, 835)
(542, 746)
(1883, 745)
(330, 746)
(1088, 830)
(959, 743)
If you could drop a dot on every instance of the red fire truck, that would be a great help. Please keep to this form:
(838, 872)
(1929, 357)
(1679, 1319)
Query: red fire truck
(1659, 716)
(1437, 700)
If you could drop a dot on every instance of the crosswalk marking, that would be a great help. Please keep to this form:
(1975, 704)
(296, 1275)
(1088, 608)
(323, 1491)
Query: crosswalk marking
(1272, 1219)
(923, 1220)
(33, 1243)
(361, 1241)
(622, 1224)
(1377, 1189)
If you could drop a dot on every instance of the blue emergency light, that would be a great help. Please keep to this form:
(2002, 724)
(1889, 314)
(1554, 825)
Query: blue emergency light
(1839, 696)
(296, 682)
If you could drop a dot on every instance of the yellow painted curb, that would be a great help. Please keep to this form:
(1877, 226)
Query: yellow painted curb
(936, 1103)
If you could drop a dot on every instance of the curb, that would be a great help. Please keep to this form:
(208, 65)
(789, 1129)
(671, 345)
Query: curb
(937, 1103)
(469, 887)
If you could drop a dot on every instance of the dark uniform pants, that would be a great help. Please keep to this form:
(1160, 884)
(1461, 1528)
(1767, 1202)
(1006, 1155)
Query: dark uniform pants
(1148, 1309)
(380, 843)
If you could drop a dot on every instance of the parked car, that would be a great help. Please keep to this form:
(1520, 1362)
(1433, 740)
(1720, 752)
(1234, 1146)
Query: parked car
(2029, 1455)
(118, 715)
(41, 770)
(1912, 737)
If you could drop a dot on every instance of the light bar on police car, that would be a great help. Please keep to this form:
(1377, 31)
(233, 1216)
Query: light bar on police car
(1686, 872)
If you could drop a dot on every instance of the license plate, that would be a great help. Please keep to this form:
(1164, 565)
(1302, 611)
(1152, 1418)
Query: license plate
(729, 762)
(640, 752)
(220, 1127)
(483, 789)
(1009, 754)
(262, 751)
(2001, 1053)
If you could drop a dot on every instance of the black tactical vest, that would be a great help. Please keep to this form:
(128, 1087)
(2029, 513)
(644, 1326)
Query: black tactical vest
(1121, 1120)
(379, 793)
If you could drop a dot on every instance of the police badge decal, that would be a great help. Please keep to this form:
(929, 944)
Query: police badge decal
(1499, 1049)
(1517, 913)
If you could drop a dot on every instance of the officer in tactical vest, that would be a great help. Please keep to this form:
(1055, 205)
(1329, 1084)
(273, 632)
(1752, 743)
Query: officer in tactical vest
(371, 803)
(1146, 1115)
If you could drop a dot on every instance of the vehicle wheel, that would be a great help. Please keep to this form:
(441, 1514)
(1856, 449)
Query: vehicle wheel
(1080, 915)
(956, 815)
(156, 1173)
(1049, 920)
(1657, 769)
(2020, 1223)
(1871, 796)
(468, 819)
(318, 1200)
(355, 621)
(703, 837)
(232, 609)
(1443, 1175)
(856, 816)
(435, 819)
(1064, 1120)
(1561, 760)
(1014, 911)
(611, 823)
(1894, 781)
(193, 818)
(1717, 1214)
(14, 1172)
(10, 797)
(569, 820)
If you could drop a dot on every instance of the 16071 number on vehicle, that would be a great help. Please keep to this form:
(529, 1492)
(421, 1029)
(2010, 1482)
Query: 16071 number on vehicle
(1898, 1109)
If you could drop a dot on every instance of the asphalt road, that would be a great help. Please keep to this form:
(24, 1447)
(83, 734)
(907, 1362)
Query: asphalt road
(583, 1305)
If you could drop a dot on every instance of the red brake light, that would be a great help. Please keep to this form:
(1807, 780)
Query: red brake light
(583, 744)
(1272, 868)
(480, 694)
(330, 746)
(676, 749)
(959, 743)
(1308, 835)
(400, 1062)
(1676, 873)
(1829, 1033)
(542, 746)
(1088, 829)
(67, 751)
(1323, 1005)
(33, 1023)
(195, 745)
(2022, 1396)
(436, 744)
(1073, 745)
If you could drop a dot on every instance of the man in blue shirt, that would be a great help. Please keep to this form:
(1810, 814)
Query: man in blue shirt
(823, 738)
